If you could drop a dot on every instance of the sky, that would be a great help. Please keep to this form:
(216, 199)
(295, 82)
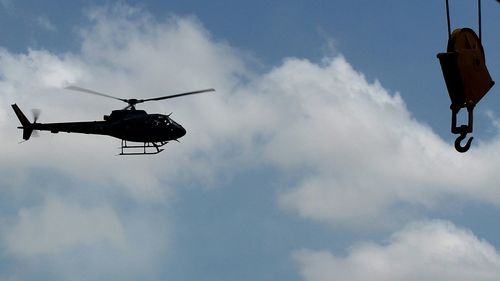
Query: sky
(324, 154)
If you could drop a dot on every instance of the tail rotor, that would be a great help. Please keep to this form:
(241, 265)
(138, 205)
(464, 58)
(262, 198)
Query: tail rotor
(26, 125)
(36, 114)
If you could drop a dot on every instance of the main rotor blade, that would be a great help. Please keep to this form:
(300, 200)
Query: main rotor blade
(75, 88)
(178, 95)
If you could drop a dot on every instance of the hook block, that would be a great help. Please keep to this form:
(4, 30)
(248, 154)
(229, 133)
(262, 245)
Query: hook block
(464, 68)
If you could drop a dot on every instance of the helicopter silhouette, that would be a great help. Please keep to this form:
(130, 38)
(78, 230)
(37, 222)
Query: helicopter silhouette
(128, 124)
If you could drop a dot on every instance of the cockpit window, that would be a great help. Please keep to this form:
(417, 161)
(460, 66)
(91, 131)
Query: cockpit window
(160, 120)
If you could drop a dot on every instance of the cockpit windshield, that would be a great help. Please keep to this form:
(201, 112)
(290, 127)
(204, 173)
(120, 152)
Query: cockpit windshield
(163, 120)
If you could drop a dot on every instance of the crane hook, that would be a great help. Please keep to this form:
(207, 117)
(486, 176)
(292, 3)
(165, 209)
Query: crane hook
(459, 139)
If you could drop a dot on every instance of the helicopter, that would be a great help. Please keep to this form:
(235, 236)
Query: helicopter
(128, 124)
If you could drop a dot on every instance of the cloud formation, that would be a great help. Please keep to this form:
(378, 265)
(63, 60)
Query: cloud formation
(347, 141)
(426, 250)
(122, 45)
(356, 152)
(347, 151)
(58, 227)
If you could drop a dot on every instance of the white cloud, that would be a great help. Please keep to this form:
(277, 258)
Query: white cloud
(345, 141)
(144, 58)
(427, 250)
(357, 150)
(58, 227)
(64, 239)
(349, 149)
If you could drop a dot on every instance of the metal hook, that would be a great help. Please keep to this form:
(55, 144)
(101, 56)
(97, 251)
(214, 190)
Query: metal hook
(459, 139)
(463, 130)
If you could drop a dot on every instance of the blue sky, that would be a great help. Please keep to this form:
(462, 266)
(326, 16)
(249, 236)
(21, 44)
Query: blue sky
(325, 153)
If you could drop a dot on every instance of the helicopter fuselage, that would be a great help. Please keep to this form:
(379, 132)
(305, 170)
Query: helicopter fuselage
(128, 125)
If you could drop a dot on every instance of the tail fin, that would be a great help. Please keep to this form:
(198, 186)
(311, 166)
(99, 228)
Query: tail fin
(26, 125)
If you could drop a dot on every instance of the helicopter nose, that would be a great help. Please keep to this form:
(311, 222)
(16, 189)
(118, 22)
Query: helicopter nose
(180, 131)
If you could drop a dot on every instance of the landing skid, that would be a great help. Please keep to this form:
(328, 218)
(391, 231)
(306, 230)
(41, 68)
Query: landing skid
(146, 148)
